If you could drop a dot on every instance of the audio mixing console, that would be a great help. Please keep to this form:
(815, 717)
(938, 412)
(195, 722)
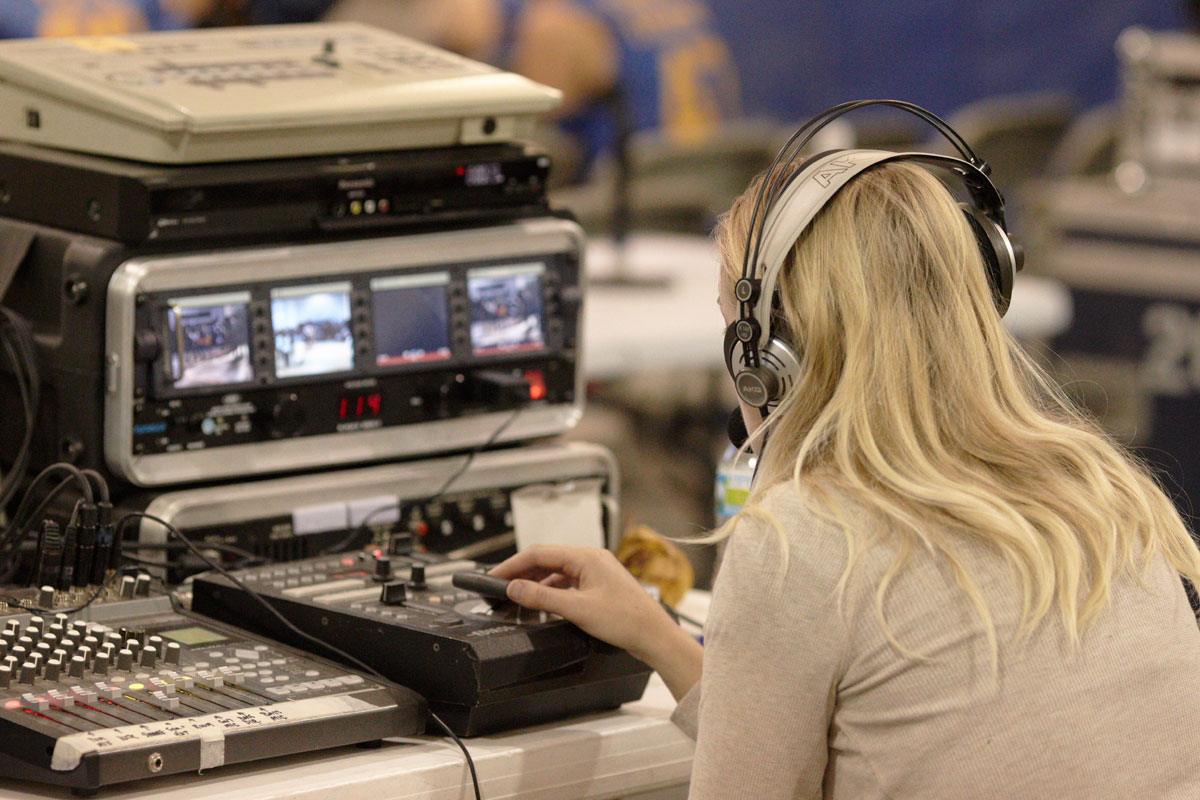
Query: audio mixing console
(134, 689)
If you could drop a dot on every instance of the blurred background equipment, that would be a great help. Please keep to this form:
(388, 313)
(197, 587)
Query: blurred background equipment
(1126, 240)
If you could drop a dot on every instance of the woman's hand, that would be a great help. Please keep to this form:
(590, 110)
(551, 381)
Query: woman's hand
(589, 587)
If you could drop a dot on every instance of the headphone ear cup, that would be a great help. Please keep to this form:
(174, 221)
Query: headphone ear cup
(1001, 257)
(777, 373)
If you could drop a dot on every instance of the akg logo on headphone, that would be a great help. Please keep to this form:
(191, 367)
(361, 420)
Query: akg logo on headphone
(831, 170)
(751, 389)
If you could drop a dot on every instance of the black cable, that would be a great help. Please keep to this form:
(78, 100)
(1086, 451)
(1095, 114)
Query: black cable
(100, 483)
(463, 747)
(108, 579)
(23, 356)
(229, 576)
(362, 527)
(233, 550)
(17, 532)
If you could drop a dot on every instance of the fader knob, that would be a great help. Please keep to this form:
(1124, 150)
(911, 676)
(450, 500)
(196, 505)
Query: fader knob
(149, 656)
(393, 594)
(171, 656)
(125, 660)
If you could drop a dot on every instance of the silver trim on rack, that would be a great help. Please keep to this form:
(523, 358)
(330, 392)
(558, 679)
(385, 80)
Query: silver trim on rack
(225, 267)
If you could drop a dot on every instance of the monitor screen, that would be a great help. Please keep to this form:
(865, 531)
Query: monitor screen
(506, 308)
(312, 329)
(209, 340)
(411, 322)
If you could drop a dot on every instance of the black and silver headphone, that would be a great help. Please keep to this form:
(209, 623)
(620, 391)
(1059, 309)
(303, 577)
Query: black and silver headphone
(768, 364)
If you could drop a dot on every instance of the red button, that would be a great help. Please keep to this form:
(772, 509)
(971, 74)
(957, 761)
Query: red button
(537, 383)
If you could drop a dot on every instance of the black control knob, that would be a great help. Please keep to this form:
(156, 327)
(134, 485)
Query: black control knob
(287, 417)
(383, 569)
(417, 579)
(53, 669)
(100, 664)
(146, 346)
(393, 594)
(125, 659)
(171, 656)
(28, 672)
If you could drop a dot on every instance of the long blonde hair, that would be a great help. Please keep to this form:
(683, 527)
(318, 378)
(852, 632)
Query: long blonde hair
(915, 401)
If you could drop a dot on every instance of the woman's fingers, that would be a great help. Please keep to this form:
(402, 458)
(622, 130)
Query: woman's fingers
(564, 602)
(544, 559)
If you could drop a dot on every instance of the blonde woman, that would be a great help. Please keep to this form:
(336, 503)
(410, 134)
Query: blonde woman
(946, 584)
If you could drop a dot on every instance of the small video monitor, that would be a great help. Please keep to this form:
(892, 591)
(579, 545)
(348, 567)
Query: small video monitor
(506, 308)
(411, 321)
(312, 329)
(209, 340)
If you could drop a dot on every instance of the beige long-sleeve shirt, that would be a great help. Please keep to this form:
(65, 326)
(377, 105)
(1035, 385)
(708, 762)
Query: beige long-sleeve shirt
(801, 700)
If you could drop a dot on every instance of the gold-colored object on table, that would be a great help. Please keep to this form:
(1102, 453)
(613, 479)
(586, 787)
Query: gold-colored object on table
(652, 559)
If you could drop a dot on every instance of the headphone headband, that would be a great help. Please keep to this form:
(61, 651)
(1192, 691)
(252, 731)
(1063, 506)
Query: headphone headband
(788, 203)
(811, 189)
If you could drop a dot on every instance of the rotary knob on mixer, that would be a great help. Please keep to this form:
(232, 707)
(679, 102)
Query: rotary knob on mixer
(125, 659)
(149, 656)
(171, 656)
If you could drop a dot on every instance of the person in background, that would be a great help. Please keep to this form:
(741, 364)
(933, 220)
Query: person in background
(622, 65)
(30, 18)
(946, 583)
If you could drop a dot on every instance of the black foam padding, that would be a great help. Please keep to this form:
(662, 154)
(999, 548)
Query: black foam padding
(736, 428)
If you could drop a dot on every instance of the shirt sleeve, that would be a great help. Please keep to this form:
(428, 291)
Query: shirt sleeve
(775, 643)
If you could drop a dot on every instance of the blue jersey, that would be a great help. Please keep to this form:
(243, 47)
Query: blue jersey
(675, 74)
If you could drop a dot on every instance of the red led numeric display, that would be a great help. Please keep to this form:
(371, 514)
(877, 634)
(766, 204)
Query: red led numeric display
(360, 406)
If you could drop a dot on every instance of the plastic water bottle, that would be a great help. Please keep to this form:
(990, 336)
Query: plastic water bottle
(732, 485)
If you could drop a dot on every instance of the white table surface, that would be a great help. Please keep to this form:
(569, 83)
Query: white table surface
(631, 329)
(632, 752)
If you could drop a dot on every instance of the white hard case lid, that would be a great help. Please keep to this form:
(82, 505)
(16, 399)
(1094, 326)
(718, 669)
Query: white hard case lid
(313, 77)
